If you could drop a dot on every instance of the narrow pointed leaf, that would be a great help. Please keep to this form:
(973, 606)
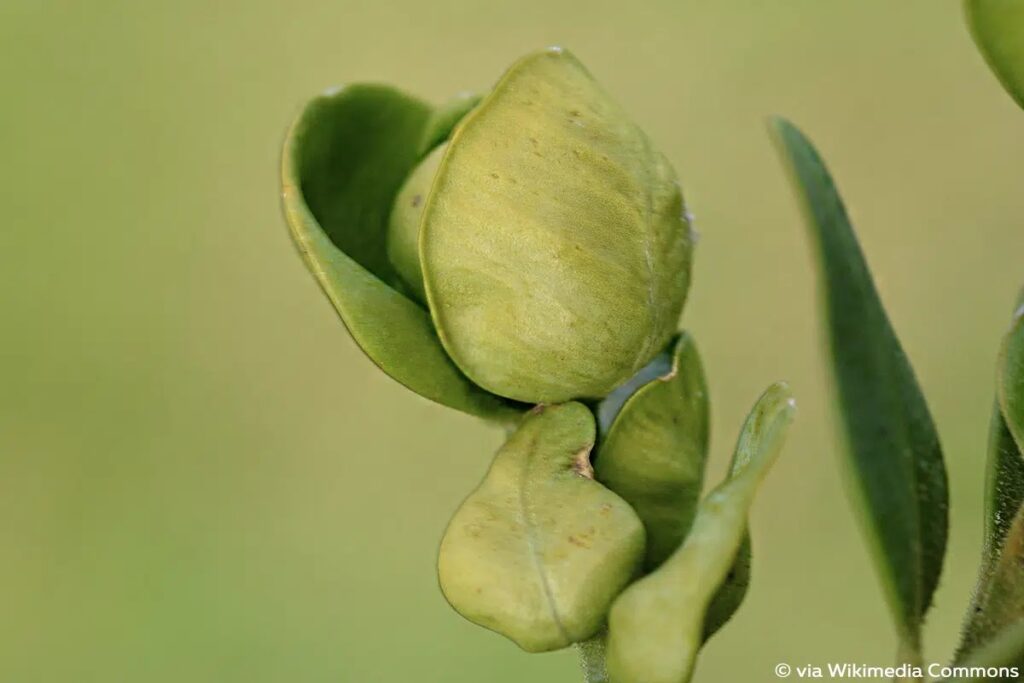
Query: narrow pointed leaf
(656, 627)
(344, 159)
(539, 550)
(894, 454)
(998, 30)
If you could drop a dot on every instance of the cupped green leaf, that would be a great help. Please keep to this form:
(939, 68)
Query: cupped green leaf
(656, 449)
(894, 454)
(539, 550)
(998, 30)
(344, 159)
(656, 626)
(1004, 497)
(554, 246)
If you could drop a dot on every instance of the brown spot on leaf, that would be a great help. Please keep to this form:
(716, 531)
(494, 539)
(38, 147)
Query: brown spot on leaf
(578, 542)
(581, 464)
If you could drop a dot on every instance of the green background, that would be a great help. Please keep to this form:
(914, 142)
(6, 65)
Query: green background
(202, 478)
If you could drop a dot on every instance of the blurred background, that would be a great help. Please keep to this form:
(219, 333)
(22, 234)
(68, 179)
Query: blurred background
(202, 478)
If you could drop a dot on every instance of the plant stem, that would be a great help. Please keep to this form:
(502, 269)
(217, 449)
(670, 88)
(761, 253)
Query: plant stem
(592, 659)
(909, 653)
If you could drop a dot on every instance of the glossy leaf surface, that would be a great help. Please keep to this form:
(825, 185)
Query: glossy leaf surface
(894, 455)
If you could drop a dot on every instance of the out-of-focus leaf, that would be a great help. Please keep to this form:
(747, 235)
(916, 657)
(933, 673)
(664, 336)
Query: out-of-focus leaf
(539, 550)
(655, 452)
(656, 626)
(998, 30)
(999, 596)
(894, 453)
(344, 159)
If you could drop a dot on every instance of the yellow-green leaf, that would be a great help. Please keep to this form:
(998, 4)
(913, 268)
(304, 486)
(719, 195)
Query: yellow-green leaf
(539, 550)
(554, 246)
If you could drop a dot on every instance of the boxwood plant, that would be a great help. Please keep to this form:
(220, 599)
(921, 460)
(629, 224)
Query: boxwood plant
(524, 256)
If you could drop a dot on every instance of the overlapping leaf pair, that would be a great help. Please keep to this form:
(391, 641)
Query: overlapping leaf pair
(531, 248)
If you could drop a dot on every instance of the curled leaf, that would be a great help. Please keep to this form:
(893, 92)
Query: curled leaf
(539, 550)
(656, 626)
(894, 454)
(343, 161)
